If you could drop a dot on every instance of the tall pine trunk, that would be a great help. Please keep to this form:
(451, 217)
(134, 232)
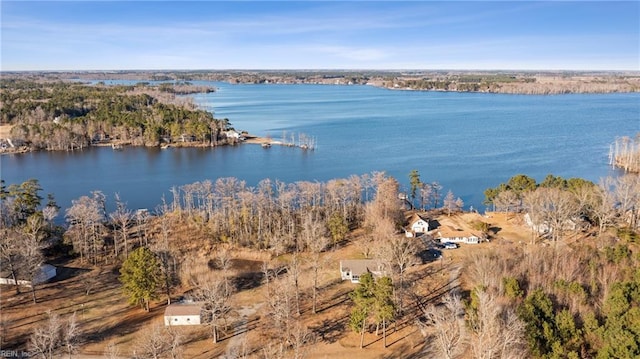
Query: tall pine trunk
(384, 332)
(362, 333)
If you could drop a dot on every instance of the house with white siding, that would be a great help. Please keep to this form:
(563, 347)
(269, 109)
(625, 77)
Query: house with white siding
(449, 234)
(183, 314)
(418, 224)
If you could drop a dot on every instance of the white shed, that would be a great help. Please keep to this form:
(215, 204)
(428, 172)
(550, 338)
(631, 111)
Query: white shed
(45, 272)
(183, 314)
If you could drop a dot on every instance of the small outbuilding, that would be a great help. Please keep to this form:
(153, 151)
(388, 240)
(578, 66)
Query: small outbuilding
(45, 272)
(183, 314)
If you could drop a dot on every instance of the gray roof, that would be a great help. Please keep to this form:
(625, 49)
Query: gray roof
(360, 266)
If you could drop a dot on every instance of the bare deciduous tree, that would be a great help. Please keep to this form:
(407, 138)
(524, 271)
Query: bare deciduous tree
(46, 339)
(484, 269)
(398, 252)
(85, 216)
(551, 208)
(213, 293)
(30, 249)
(152, 343)
(175, 340)
(496, 332)
(122, 218)
(71, 335)
(452, 204)
(49, 213)
(294, 270)
(316, 246)
(627, 194)
(507, 201)
(90, 280)
(602, 205)
(280, 304)
(448, 326)
(10, 254)
(300, 337)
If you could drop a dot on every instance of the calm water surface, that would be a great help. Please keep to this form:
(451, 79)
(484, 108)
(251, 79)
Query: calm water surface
(465, 141)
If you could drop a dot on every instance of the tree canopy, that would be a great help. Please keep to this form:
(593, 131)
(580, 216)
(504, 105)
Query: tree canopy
(141, 276)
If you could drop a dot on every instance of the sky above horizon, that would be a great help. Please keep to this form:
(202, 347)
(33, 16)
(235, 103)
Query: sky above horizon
(219, 35)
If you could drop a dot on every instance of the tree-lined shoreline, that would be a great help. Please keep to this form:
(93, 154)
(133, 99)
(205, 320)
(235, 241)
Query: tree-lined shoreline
(71, 116)
(545, 296)
(508, 82)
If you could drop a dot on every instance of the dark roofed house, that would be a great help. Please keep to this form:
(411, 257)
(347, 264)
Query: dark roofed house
(183, 314)
(352, 269)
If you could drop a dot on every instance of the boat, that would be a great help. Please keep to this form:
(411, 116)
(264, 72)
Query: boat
(116, 146)
(266, 145)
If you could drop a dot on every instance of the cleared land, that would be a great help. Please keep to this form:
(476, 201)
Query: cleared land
(106, 317)
(5, 131)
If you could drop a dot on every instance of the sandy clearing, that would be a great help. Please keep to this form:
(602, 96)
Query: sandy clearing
(5, 130)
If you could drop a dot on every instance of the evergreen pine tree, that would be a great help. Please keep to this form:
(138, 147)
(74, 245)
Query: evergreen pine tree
(141, 276)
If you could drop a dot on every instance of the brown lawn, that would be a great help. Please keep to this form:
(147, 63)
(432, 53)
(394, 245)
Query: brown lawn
(106, 317)
(5, 130)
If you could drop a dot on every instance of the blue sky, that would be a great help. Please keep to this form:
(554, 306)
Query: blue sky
(519, 35)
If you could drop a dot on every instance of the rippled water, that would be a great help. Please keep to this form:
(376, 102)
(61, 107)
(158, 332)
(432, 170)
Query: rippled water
(465, 141)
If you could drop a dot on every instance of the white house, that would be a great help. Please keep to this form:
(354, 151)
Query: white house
(352, 269)
(183, 314)
(448, 234)
(45, 272)
(419, 224)
(232, 134)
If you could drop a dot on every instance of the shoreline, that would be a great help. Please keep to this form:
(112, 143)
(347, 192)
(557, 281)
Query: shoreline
(539, 82)
(119, 145)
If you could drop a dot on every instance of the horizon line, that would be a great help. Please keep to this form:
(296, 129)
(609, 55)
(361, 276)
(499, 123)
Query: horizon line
(322, 70)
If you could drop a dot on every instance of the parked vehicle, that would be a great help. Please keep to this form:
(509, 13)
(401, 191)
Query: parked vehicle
(450, 246)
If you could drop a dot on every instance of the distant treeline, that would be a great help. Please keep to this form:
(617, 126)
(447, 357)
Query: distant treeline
(516, 82)
(69, 115)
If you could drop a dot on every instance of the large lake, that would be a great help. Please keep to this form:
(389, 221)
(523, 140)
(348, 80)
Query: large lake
(465, 141)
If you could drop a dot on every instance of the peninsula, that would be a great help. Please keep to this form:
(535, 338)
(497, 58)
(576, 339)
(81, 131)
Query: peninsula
(43, 114)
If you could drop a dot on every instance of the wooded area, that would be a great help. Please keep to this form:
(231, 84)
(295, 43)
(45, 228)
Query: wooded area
(568, 291)
(73, 115)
